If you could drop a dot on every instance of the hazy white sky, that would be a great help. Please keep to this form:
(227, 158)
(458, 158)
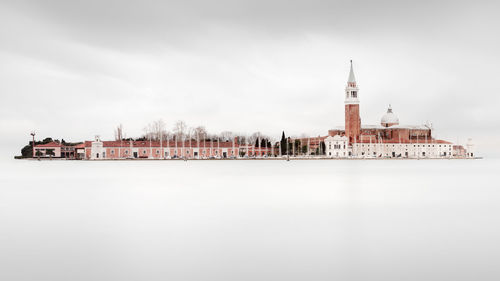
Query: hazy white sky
(73, 70)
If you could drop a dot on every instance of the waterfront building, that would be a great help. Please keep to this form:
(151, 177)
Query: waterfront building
(48, 150)
(389, 139)
(171, 149)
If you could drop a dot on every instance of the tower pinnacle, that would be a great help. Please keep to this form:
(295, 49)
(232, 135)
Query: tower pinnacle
(351, 79)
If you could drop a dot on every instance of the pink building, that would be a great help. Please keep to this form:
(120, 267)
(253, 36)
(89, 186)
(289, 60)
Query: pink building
(189, 149)
(51, 149)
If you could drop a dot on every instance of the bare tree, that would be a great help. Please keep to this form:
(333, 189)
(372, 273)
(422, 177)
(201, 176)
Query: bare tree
(253, 137)
(200, 133)
(159, 131)
(148, 131)
(227, 135)
(119, 135)
(257, 135)
(180, 129)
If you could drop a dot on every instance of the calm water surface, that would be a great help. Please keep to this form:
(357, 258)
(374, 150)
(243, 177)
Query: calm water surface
(250, 220)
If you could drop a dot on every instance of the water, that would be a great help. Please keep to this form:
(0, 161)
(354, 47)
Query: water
(250, 220)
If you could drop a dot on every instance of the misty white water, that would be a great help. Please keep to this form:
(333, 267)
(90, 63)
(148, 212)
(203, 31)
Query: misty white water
(250, 220)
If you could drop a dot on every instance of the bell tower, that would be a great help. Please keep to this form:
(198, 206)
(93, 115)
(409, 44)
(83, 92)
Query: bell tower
(352, 119)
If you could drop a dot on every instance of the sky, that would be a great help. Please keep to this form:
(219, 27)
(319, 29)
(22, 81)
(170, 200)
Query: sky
(74, 70)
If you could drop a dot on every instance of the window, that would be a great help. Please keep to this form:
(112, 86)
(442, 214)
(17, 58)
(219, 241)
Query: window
(354, 94)
(112, 152)
(126, 152)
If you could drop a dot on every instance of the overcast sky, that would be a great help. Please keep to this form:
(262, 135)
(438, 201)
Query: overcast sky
(76, 69)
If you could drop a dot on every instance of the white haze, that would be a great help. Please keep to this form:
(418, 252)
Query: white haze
(243, 220)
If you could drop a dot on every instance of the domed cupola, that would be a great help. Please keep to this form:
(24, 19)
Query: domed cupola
(389, 119)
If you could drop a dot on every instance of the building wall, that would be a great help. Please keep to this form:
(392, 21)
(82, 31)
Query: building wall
(408, 150)
(352, 122)
(337, 147)
(43, 150)
(112, 150)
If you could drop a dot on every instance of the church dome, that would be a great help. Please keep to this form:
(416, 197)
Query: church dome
(389, 119)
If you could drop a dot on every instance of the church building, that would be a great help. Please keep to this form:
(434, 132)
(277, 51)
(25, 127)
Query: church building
(389, 139)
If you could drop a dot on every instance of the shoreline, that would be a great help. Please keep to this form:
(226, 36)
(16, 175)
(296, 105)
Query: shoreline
(252, 159)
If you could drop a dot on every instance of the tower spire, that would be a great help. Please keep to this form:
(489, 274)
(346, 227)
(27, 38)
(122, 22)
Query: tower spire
(351, 79)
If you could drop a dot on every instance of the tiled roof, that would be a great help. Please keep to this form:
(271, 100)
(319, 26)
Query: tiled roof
(433, 141)
(50, 144)
(171, 144)
(409, 127)
(81, 145)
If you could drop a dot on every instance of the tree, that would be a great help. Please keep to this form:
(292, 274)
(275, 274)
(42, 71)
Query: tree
(159, 131)
(304, 149)
(155, 131)
(180, 129)
(264, 143)
(227, 135)
(323, 148)
(296, 144)
(119, 132)
(27, 151)
(200, 133)
(50, 152)
(283, 144)
(148, 132)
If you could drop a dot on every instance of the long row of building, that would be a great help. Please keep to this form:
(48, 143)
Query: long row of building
(353, 140)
